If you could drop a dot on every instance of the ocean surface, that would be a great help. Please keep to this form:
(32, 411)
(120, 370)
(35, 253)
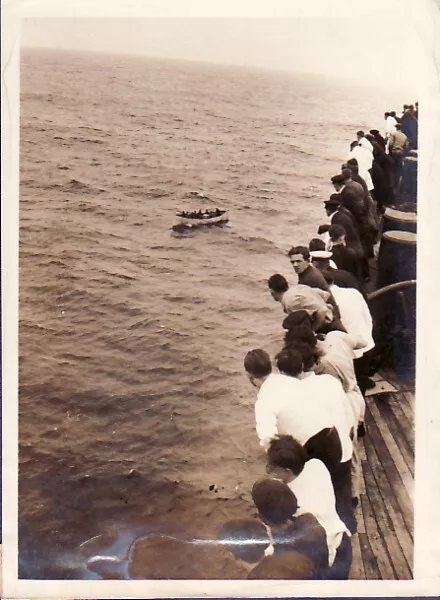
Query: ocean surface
(135, 412)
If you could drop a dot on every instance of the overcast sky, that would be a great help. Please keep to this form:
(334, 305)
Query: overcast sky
(369, 50)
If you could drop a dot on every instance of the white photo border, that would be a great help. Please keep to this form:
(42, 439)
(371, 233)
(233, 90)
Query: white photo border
(424, 15)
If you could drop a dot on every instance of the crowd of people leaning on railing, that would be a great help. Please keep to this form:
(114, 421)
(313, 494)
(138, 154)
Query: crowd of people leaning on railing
(310, 402)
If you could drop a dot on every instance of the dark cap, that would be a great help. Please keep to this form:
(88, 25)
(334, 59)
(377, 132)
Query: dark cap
(295, 318)
(338, 178)
(334, 200)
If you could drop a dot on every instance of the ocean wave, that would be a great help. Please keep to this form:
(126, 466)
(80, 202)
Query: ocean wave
(255, 244)
(124, 276)
(97, 129)
(75, 186)
(141, 324)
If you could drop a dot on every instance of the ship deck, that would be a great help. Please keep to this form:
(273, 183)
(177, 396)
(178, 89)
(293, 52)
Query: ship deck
(383, 545)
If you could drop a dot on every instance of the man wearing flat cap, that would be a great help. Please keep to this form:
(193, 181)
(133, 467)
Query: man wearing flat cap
(352, 195)
(379, 138)
(339, 215)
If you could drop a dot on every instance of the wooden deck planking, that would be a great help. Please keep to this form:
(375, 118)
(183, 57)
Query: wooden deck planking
(404, 421)
(385, 527)
(392, 448)
(362, 456)
(403, 534)
(410, 397)
(403, 499)
(361, 449)
(385, 514)
(369, 561)
(407, 403)
(399, 435)
(390, 376)
(377, 543)
(357, 570)
(406, 408)
(359, 515)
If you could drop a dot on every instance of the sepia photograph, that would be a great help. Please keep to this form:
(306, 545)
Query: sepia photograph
(217, 282)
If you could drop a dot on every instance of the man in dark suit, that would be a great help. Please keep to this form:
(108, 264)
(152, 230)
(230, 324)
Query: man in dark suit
(308, 274)
(339, 215)
(342, 278)
(353, 165)
(370, 226)
(352, 196)
(343, 256)
(321, 259)
(378, 137)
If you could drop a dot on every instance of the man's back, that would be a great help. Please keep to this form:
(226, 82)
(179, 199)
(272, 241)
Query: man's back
(344, 279)
(275, 394)
(398, 142)
(353, 200)
(361, 181)
(338, 352)
(304, 297)
(409, 127)
(355, 186)
(341, 277)
(346, 260)
(313, 489)
(344, 217)
(355, 315)
(319, 402)
(390, 125)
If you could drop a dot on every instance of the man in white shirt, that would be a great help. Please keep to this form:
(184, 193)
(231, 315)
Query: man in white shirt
(335, 357)
(284, 407)
(368, 149)
(364, 160)
(336, 353)
(314, 410)
(390, 124)
(355, 315)
(323, 404)
(357, 320)
(365, 143)
(310, 482)
(325, 395)
(292, 537)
